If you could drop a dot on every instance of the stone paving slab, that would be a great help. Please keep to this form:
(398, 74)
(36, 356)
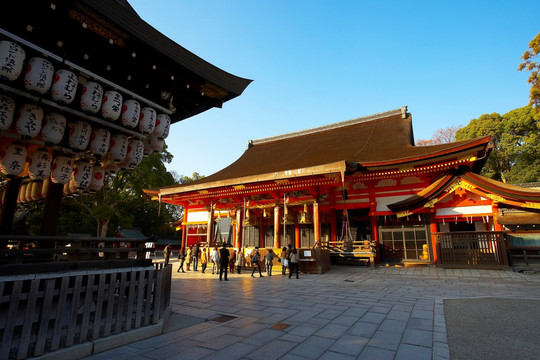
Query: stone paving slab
(346, 313)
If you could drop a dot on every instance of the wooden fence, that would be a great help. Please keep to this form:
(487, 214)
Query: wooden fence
(472, 249)
(46, 312)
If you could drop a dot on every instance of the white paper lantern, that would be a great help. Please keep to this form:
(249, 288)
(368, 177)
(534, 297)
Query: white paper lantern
(36, 190)
(39, 167)
(7, 112)
(111, 167)
(98, 175)
(45, 188)
(99, 141)
(130, 113)
(134, 156)
(147, 120)
(79, 135)
(21, 196)
(70, 189)
(112, 105)
(156, 144)
(11, 60)
(163, 123)
(147, 146)
(118, 147)
(64, 86)
(54, 126)
(61, 170)
(82, 174)
(13, 159)
(91, 97)
(29, 120)
(28, 193)
(39, 75)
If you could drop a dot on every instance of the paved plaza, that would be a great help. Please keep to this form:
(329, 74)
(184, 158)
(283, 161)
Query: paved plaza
(348, 313)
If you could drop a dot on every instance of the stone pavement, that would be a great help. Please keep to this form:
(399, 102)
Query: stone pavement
(347, 313)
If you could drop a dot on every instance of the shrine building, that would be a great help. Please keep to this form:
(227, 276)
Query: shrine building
(360, 189)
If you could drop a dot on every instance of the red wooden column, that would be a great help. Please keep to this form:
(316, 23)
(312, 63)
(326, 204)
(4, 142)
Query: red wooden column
(297, 242)
(316, 224)
(277, 237)
(210, 225)
(375, 237)
(262, 233)
(184, 229)
(433, 228)
(239, 228)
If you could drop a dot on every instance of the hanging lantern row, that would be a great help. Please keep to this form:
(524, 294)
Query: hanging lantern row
(40, 78)
(61, 169)
(31, 122)
(86, 178)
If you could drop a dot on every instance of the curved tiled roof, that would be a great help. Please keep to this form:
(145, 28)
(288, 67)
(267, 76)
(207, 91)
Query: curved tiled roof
(506, 194)
(380, 140)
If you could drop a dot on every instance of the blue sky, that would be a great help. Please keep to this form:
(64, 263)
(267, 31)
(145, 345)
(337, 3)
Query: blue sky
(318, 62)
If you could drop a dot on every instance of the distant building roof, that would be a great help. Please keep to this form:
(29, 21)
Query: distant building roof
(130, 233)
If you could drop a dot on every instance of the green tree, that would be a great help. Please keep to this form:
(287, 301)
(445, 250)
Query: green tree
(122, 202)
(529, 64)
(515, 138)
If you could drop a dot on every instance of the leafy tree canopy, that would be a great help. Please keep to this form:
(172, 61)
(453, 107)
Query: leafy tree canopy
(515, 137)
(529, 64)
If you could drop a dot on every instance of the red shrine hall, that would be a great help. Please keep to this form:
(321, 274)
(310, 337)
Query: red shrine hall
(361, 189)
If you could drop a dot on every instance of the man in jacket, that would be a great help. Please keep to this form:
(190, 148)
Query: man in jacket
(223, 261)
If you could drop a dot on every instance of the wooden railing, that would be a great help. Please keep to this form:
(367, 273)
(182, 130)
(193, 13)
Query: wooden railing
(472, 249)
(351, 251)
(43, 313)
(33, 254)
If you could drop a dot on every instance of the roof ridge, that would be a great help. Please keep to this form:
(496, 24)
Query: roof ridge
(401, 111)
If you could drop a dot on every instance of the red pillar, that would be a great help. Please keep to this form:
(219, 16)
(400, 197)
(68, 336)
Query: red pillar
(210, 226)
(277, 233)
(433, 228)
(297, 241)
(239, 228)
(262, 233)
(316, 224)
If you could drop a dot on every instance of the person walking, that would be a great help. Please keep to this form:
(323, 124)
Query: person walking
(223, 261)
(195, 255)
(293, 262)
(288, 256)
(240, 261)
(189, 256)
(256, 261)
(284, 261)
(232, 261)
(182, 258)
(269, 261)
(214, 257)
(204, 259)
(167, 253)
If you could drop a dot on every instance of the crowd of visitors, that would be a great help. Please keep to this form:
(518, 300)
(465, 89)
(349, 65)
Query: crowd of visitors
(224, 261)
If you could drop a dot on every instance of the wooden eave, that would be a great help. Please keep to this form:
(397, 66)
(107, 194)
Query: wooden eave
(518, 218)
(126, 18)
(327, 169)
(108, 40)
